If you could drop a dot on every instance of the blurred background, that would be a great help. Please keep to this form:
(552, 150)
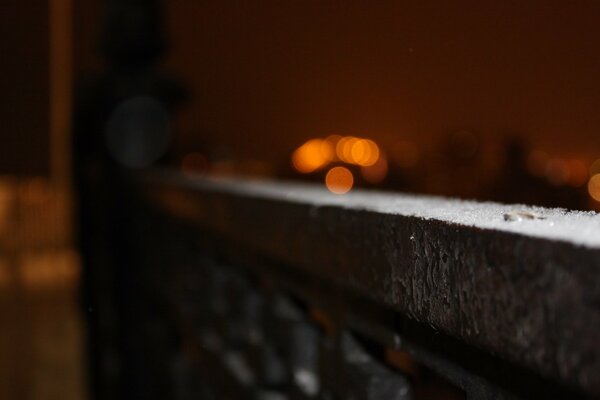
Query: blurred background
(493, 101)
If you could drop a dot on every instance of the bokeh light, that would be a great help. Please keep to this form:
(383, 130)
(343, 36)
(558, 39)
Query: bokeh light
(365, 152)
(557, 172)
(339, 180)
(318, 153)
(594, 187)
(377, 172)
(344, 148)
(138, 132)
(312, 155)
(595, 168)
(333, 140)
(357, 151)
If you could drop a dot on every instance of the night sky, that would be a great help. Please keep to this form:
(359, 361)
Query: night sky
(270, 74)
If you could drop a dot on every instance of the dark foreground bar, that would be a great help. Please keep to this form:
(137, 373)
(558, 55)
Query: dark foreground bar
(287, 291)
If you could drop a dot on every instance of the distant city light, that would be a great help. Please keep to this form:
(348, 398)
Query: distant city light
(333, 139)
(595, 168)
(365, 152)
(317, 153)
(344, 148)
(594, 187)
(342, 157)
(377, 172)
(558, 171)
(312, 155)
(339, 180)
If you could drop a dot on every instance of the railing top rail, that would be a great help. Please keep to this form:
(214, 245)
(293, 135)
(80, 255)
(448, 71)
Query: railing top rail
(576, 227)
(518, 281)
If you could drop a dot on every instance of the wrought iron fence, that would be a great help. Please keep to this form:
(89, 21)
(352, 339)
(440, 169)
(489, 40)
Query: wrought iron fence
(283, 291)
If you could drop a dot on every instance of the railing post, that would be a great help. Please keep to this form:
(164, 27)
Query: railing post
(130, 96)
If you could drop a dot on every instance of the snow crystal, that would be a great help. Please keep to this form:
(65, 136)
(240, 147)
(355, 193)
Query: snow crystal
(577, 227)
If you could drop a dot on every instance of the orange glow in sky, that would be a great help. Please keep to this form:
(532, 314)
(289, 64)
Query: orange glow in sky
(339, 180)
(405, 154)
(557, 172)
(578, 173)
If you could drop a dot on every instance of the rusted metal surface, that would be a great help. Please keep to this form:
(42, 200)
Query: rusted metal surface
(525, 294)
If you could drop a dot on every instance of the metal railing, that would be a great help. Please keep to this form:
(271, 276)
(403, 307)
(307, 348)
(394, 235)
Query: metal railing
(284, 291)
